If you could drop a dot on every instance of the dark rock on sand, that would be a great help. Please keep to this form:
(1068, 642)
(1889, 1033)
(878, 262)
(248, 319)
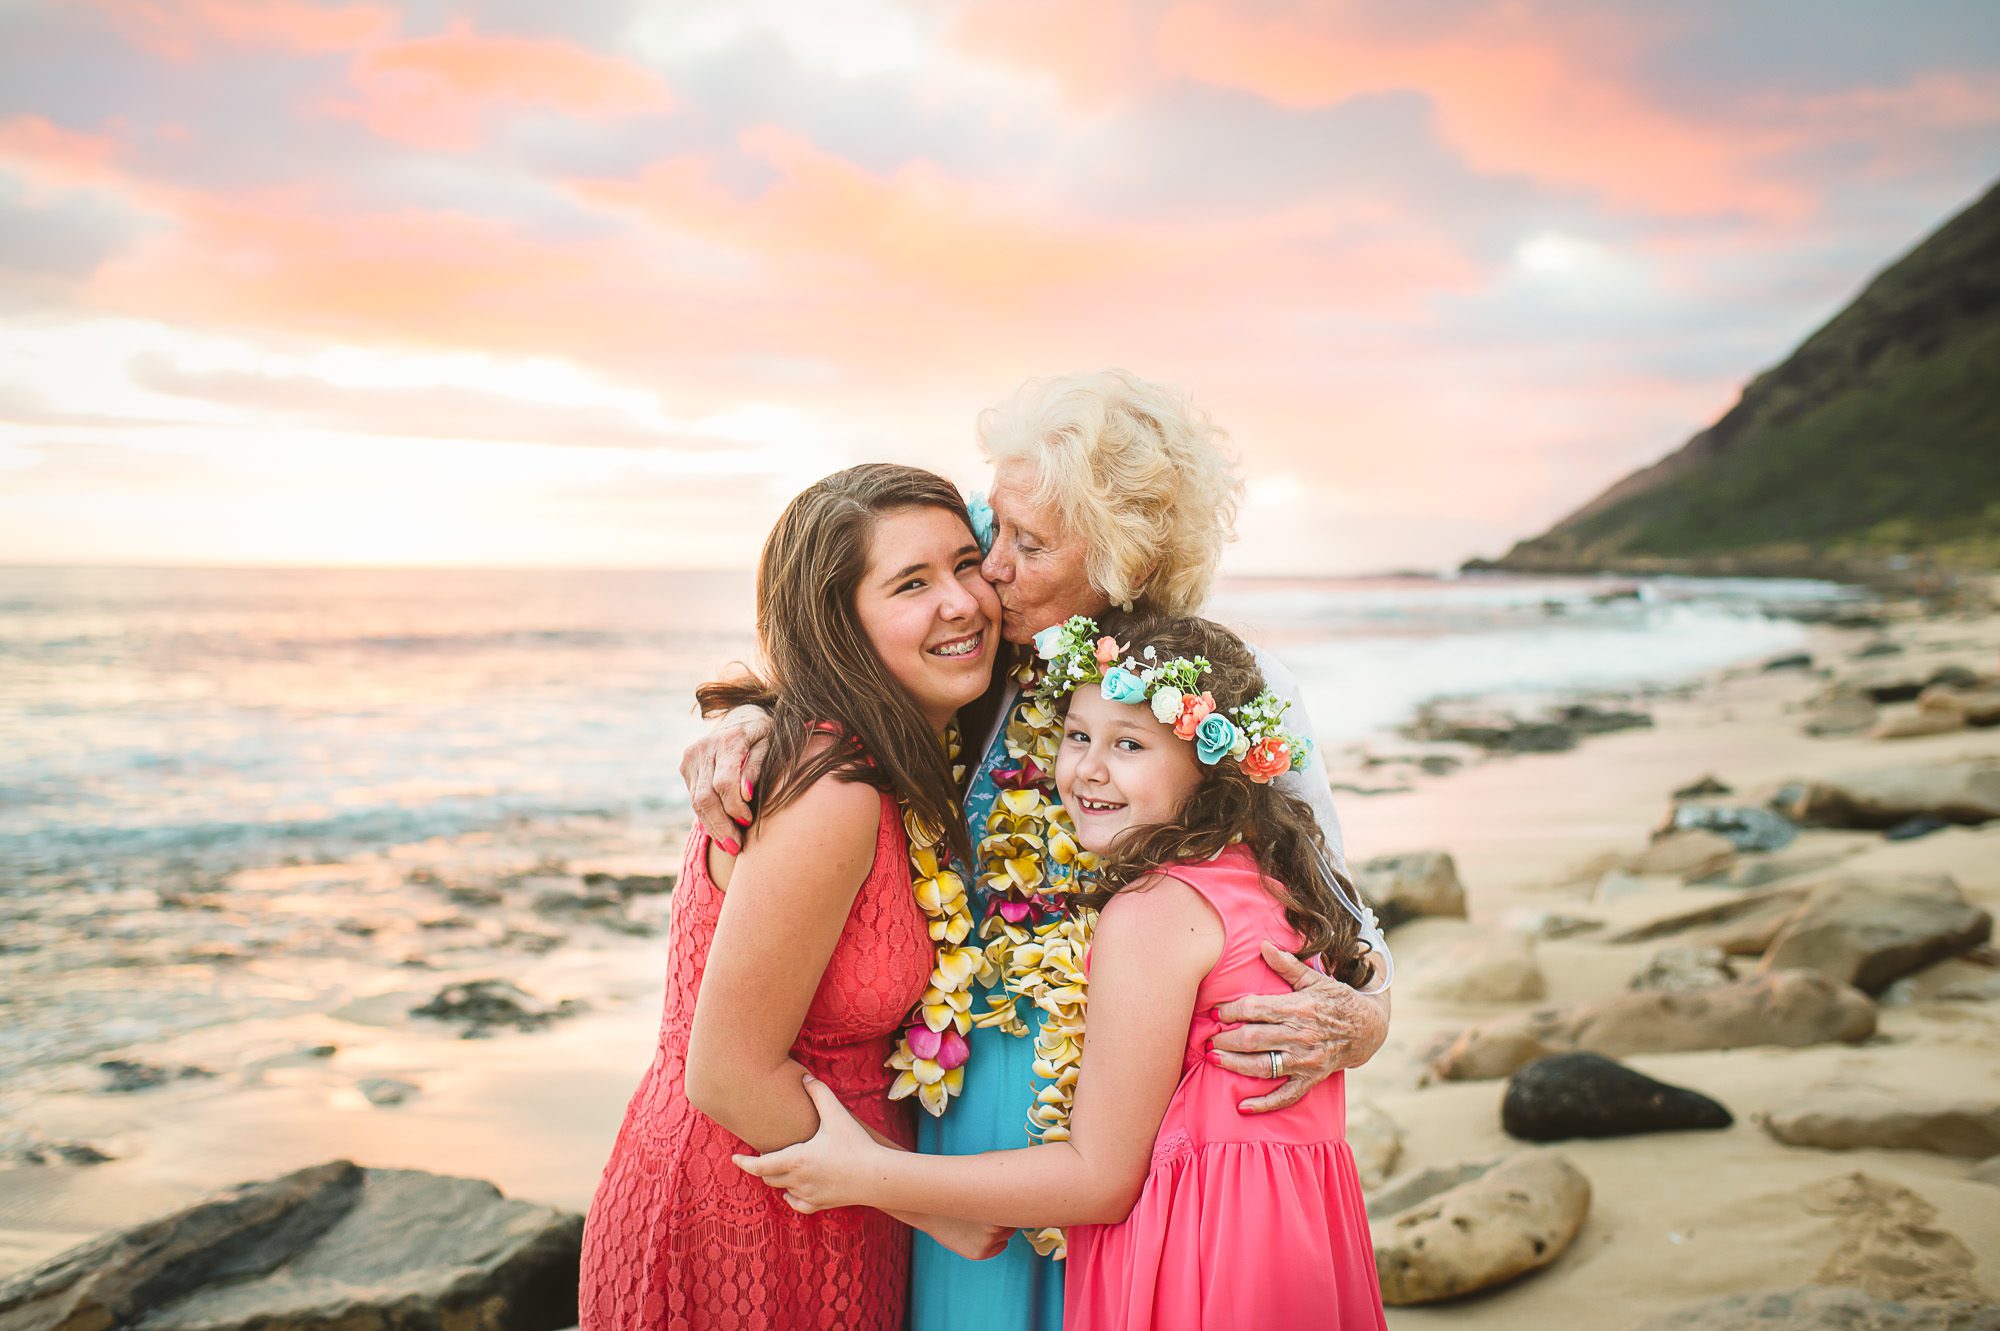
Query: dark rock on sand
(127, 1075)
(1585, 719)
(332, 1246)
(480, 1005)
(1911, 828)
(1748, 828)
(1820, 1308)
(1588, 1095)
(1880, 647)
(1795, 661)
(1708, 785)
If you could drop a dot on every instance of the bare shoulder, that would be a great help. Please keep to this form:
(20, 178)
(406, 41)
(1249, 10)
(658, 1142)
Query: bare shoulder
(1160, 911)
(832, 819)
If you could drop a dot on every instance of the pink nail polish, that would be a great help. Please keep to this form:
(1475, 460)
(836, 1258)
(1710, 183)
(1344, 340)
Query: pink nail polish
(740, 822)
(749, 791)
(1215, 1058)
(732, 847)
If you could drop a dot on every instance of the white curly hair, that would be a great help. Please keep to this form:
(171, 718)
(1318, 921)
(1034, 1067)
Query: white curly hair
(1133, 468)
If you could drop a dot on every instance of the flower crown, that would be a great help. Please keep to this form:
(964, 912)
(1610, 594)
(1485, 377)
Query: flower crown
(1253, 735)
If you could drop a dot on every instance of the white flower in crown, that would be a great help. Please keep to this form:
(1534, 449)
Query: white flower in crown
(1166, 704)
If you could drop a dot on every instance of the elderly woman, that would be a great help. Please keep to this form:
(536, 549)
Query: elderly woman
(1107, 490)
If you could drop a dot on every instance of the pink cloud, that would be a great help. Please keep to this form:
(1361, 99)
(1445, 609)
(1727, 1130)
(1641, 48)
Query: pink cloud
(176, 29)
(52, 158)
(437, 91)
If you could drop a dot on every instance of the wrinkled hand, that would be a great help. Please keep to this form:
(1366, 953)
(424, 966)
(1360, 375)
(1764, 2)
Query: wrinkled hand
(821, 1172)
(721, 770)
(1319, 1028)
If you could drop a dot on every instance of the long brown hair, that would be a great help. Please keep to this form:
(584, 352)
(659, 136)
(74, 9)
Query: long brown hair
(819, 668)
(1278, 826)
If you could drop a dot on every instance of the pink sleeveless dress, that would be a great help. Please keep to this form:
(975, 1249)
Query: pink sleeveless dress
(677, 1236)
(1250, 1221)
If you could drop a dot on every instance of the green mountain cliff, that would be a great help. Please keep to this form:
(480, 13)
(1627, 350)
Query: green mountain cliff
(1876, 444)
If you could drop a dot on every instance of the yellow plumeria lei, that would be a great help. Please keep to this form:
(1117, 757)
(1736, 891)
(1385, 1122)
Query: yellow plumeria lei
(1036, 940)
(930, 1055)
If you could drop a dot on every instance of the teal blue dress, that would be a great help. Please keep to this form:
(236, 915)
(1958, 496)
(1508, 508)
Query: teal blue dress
(1019, 1290)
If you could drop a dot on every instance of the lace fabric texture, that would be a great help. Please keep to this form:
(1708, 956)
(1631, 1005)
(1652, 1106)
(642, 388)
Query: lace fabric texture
(677, 1236)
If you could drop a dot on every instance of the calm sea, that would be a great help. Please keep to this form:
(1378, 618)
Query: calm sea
(238, 716)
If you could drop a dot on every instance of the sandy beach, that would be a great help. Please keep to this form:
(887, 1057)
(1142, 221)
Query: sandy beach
(328, 959)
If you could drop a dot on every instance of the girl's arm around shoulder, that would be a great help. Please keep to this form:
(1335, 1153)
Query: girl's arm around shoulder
(1153, 945)
(787, 900)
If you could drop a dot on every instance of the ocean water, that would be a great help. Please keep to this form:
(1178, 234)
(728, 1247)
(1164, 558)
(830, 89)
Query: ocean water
(240, 716)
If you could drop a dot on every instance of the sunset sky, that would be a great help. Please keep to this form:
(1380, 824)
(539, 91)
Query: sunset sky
(603, 284)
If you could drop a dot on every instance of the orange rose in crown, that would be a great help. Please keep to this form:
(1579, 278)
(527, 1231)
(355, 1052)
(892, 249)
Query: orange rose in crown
(1193, 710)
(1267, 758)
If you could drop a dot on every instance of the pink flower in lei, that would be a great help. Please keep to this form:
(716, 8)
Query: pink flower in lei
(1109, 649)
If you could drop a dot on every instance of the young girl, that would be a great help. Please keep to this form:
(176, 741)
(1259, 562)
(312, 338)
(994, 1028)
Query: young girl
(1181, 1211)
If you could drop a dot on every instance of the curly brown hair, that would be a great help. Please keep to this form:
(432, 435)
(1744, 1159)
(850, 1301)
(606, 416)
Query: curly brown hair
(1278, 826)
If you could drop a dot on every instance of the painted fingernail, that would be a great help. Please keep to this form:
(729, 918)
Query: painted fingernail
(1215, 1058)
(749, 791)
(732, 847)
(740, 822)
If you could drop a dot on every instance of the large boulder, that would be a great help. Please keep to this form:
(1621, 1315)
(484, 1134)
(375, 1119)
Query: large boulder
(1740, 926)
(1692, 853)
(1793, 1008)
(1403, 887)
(481, 1005)
(1515, 1218)
(1587, 1095)
(1498, 968)
(1845, 1117)
(331, 1248)
(1872, 932)
(1959, 792)
(1824, 1308)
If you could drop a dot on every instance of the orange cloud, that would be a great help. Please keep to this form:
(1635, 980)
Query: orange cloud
(437, 91)
(1510, 99)
(174, 28)
(52, 158)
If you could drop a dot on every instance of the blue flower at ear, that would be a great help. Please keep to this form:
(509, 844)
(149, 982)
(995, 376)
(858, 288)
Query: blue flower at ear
(981, 514)
(1121, 685)
(1214, 738)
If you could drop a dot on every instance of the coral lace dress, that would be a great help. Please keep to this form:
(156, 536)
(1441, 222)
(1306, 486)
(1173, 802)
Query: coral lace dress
(677, 1236)
(1246, 1222)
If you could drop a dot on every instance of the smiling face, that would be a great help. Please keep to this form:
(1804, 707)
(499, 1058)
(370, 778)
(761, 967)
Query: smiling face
(1119, 769)
(927, 612)
(1036, 566)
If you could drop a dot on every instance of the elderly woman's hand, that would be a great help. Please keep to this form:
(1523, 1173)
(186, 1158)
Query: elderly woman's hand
(1318, 1029)
(721, 770)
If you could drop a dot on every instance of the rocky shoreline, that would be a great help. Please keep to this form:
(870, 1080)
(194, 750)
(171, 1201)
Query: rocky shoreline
(1704, 975)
